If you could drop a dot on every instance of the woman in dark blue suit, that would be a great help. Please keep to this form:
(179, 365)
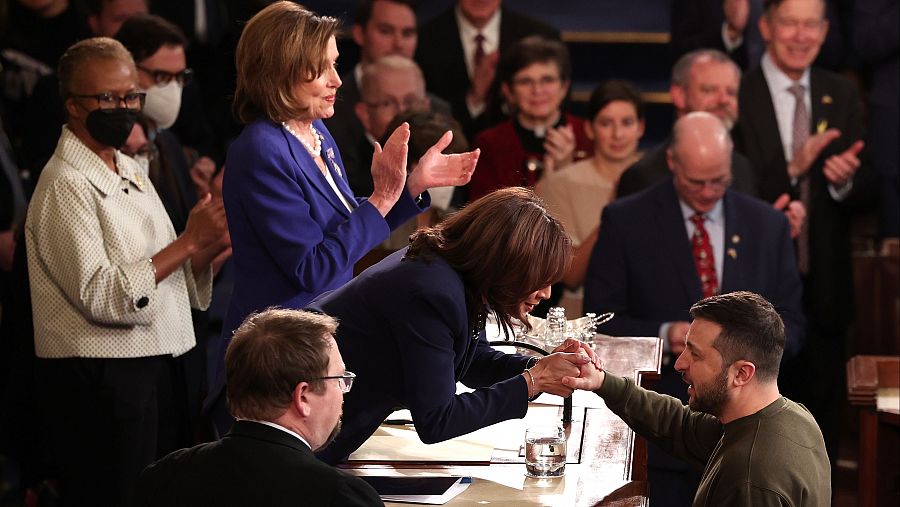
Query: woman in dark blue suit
(413, 324)
(296, 228)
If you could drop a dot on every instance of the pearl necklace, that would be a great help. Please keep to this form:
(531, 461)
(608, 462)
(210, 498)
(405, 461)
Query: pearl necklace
(316, 150)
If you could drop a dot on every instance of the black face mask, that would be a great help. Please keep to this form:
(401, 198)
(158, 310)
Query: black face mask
(111, 127)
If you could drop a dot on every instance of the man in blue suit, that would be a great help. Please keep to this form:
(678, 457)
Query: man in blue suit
(653, 259)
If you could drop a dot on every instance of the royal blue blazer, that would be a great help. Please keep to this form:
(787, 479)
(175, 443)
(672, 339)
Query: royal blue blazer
(292, 237)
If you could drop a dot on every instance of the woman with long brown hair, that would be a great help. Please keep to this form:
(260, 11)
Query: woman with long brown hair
(412, 326)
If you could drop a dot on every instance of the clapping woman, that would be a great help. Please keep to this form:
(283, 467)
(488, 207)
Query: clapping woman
(296, 228)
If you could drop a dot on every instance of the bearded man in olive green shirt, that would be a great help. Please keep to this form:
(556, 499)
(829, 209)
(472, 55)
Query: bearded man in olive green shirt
(756, 448)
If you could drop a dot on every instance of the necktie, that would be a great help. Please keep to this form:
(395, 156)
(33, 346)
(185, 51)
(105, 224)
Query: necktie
(479, 50)
(799, 135)
(703, 258)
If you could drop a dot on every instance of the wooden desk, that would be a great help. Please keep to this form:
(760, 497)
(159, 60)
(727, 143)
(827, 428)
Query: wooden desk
(879, 432)
(612, 469)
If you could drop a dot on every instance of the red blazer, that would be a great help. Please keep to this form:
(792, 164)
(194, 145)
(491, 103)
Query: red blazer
(502, 160)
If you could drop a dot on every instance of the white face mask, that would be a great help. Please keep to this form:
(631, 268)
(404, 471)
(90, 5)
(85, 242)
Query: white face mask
(144, 162)
(163, 103)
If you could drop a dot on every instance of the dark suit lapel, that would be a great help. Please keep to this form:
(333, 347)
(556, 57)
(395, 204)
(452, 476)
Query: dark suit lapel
(455, 53)
(674, 237)
(733, 275)
(763, 123)
(822, 104)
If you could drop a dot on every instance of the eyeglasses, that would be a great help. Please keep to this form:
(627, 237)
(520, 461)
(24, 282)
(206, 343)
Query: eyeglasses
(793, 24)
(345, 381)
(133, 100)
(162, 77)
(542, 82)
(147, 150)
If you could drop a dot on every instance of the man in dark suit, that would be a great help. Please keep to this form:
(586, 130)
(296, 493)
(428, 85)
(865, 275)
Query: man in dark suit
(802, 129)
(687, 238)
(705, 80)
(286, 381)
(702, 80)
(459, 50)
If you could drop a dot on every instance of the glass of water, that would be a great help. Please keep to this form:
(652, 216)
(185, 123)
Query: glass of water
(545, 451)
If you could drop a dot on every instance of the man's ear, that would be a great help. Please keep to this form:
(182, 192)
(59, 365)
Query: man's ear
(670, 156)
(71, 108)
(93, 23)
(744, 372)
(677, 94)
(300, 399)
(507, 93)
(765, 30)
(358, 34)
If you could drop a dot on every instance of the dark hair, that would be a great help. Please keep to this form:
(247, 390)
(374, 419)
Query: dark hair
(281, 46)
(505, 245)
(144, 34)
(83, 51)
(612, 91)
(364, 10)
(269, 354)
(425, 128)
(534, 49)
(751, 330)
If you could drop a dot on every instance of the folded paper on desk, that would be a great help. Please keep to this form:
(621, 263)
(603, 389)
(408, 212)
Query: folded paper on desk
(422, 490)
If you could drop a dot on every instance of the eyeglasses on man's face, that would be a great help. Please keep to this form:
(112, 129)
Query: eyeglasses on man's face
(162, 77)
(345, 381)
(133, 100)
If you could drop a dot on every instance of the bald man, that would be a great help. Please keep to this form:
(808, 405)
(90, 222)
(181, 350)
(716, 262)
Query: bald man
(684, 239)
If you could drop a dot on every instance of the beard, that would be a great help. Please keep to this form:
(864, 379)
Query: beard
(712, 397)
(331, 436)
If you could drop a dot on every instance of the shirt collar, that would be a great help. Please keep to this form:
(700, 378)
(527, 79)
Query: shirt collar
(777, 80)
(715, 215)
(78, 155)
(282, 428)
(491, 30)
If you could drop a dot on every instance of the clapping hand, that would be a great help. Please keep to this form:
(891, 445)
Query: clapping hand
(795, 212)
(389, 170)
(559, 146)
(436, 169)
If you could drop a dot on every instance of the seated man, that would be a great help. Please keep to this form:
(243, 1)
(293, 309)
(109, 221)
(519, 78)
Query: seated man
(286, 381)
(755, 447)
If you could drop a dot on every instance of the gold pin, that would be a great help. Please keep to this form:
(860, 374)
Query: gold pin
(736, 239)
(732, 253)
(826, 99)
(822, 126)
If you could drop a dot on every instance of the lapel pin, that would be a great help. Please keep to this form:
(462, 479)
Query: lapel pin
(735, 239)
(826, 99)
(822, 126)
(732, 253)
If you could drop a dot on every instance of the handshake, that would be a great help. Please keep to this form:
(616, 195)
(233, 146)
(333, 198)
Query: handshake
(572, 365)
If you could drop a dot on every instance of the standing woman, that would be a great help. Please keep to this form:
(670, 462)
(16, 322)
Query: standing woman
(577, 194)
(412, 326)
(296, 228)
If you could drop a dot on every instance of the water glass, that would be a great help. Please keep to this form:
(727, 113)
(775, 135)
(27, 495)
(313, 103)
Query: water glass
(545, 451)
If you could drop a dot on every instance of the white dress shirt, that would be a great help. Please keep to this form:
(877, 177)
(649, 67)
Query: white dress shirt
(491, 43)
(90, 233)
(784, 103)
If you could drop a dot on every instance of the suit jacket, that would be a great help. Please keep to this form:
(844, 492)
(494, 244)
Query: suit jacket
(440, 55)
(503, 157)
(254, 464)
(405, 332)
(293, 239)
(653, 168)
(829, 289)
(642, 267)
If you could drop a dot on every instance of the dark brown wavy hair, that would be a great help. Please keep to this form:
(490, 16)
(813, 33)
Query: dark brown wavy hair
(505, 246)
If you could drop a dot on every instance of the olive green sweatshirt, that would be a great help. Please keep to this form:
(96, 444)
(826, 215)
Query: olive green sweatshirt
(773, 457)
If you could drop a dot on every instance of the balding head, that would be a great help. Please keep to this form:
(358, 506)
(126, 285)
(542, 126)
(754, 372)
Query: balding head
(700, 160)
